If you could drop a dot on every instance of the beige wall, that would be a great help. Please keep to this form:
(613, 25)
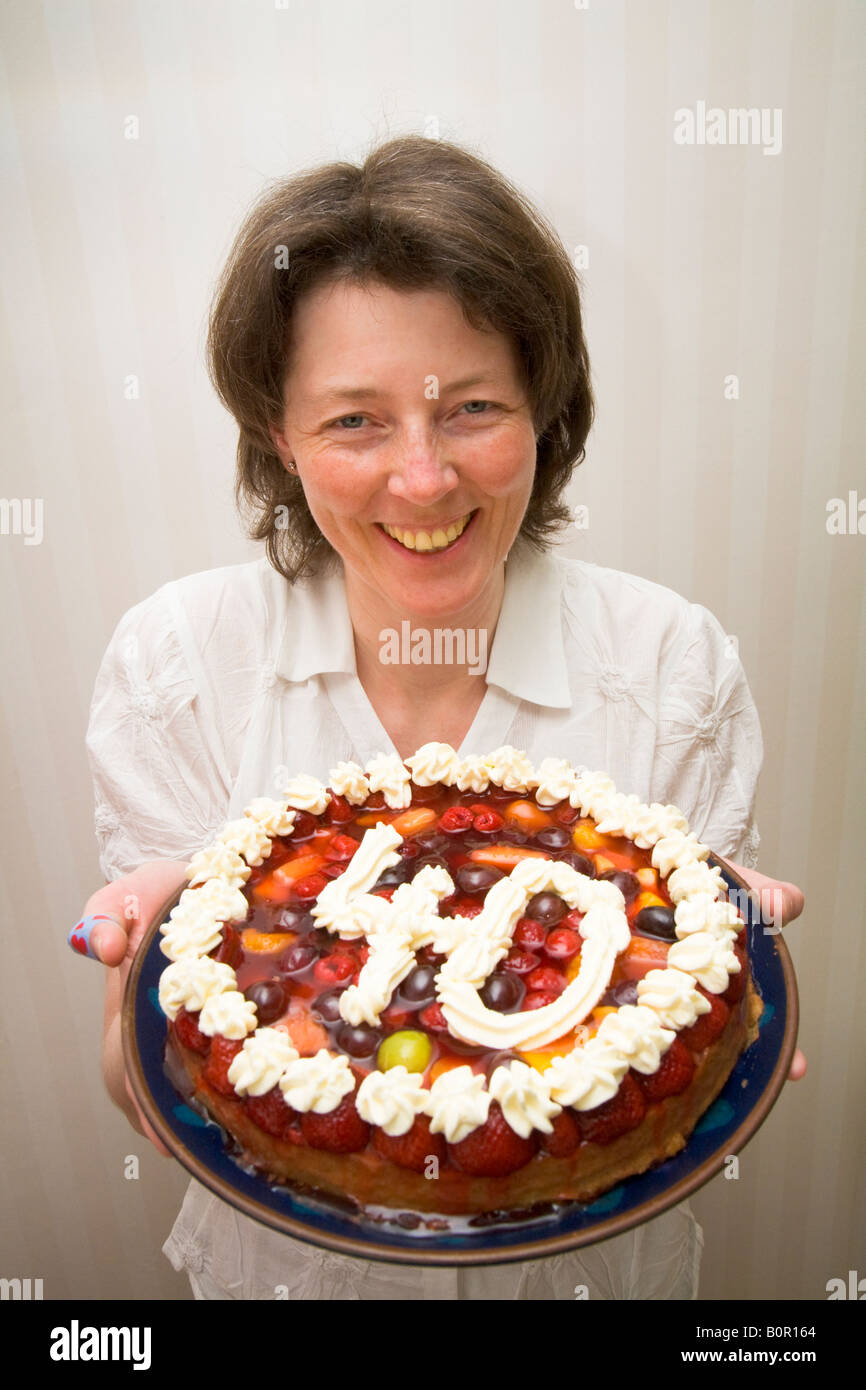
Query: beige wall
(703, 262)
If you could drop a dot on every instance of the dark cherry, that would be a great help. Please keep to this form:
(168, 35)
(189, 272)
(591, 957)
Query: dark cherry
(623, 993)
(476, 878)
(293, 919)
(360, 1041)
(297, 958)
(627, 884)
(327, 1006)
(547, 908)
(409, 849)
(419, 987)
(554, 838)
(269, 997)
(503, 992)
(657, 922)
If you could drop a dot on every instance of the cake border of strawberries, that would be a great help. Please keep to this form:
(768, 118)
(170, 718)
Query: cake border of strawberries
(625, 815)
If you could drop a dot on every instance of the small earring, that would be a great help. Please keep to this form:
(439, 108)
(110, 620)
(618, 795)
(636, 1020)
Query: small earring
(292, 466)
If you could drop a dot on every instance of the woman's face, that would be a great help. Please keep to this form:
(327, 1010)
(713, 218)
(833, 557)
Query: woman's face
(414, 442)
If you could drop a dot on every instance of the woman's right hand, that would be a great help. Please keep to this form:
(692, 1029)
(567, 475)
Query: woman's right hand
(130, 905)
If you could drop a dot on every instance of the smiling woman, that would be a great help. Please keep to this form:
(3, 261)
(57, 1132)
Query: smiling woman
(401, 346)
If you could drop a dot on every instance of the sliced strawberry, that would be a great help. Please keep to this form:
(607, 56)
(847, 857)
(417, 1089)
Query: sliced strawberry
(411, 1150)
(707, 1027)
(565, 1139)
(271, 1113)
(673, 1076)
(223, 1051)
(493, 1150)
(616, 1116)
(230, 949)
(189, 1033)
(341, 1132)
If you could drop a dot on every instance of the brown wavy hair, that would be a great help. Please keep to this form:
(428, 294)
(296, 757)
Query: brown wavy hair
(417, 214)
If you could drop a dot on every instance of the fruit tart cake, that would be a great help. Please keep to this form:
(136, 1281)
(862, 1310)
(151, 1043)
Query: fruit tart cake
(456, 985)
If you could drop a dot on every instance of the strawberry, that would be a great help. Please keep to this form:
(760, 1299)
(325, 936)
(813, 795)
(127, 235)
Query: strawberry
(310, 887)
(271, 1113)
(230, 948)
(565, 1139)
(737, 983)
(707, 1027)
(413, 1149)
(342, 847)
(493, 1150)
(223, 1051)
(336, 969)
(455, 820)
(433, 1019)
(303, 826)
(616, 1116)
(188, 1032)
(338, 809)
(485, 821)
(342, 1131)
(674, 1075)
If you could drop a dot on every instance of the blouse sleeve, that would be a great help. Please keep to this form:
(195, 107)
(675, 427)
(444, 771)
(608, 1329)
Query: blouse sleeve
(160, 786)
(709, 746)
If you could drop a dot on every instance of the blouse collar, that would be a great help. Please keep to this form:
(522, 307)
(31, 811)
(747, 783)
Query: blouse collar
(527, 657)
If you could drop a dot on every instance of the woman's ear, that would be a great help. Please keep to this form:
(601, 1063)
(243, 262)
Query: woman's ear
(278, 440)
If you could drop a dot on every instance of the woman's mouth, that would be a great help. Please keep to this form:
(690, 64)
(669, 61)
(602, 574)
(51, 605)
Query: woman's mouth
(427, 541)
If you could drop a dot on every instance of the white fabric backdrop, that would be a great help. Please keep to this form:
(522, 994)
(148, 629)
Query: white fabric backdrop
(701, 262)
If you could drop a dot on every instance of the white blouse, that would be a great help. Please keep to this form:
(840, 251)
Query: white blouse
(219, 684)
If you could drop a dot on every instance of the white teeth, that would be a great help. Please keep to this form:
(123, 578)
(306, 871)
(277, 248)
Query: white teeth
(427, 540)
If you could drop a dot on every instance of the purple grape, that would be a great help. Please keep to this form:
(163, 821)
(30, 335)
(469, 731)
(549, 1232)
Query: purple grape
(503, 992)
(327, 1006)
(476, 878)
(657, 922)
(547, 908)
(419, 987)
(627, 884)
(555, 838)
(297, 958)
(269, 997)
(359, 1041)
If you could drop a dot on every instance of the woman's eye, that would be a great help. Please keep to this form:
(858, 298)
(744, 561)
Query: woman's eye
(483, 404)
(357, 418)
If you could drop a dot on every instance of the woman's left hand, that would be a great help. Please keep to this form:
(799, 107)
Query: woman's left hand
(780, 903)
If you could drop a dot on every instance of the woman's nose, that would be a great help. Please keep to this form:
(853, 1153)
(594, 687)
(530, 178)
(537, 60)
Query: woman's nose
(420, 472)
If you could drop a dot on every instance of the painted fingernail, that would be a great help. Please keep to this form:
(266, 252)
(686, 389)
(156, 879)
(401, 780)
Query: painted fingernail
(79, 937)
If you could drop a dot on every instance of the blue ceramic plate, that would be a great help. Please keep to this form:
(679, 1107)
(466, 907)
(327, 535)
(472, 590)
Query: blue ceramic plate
(732, 1119)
